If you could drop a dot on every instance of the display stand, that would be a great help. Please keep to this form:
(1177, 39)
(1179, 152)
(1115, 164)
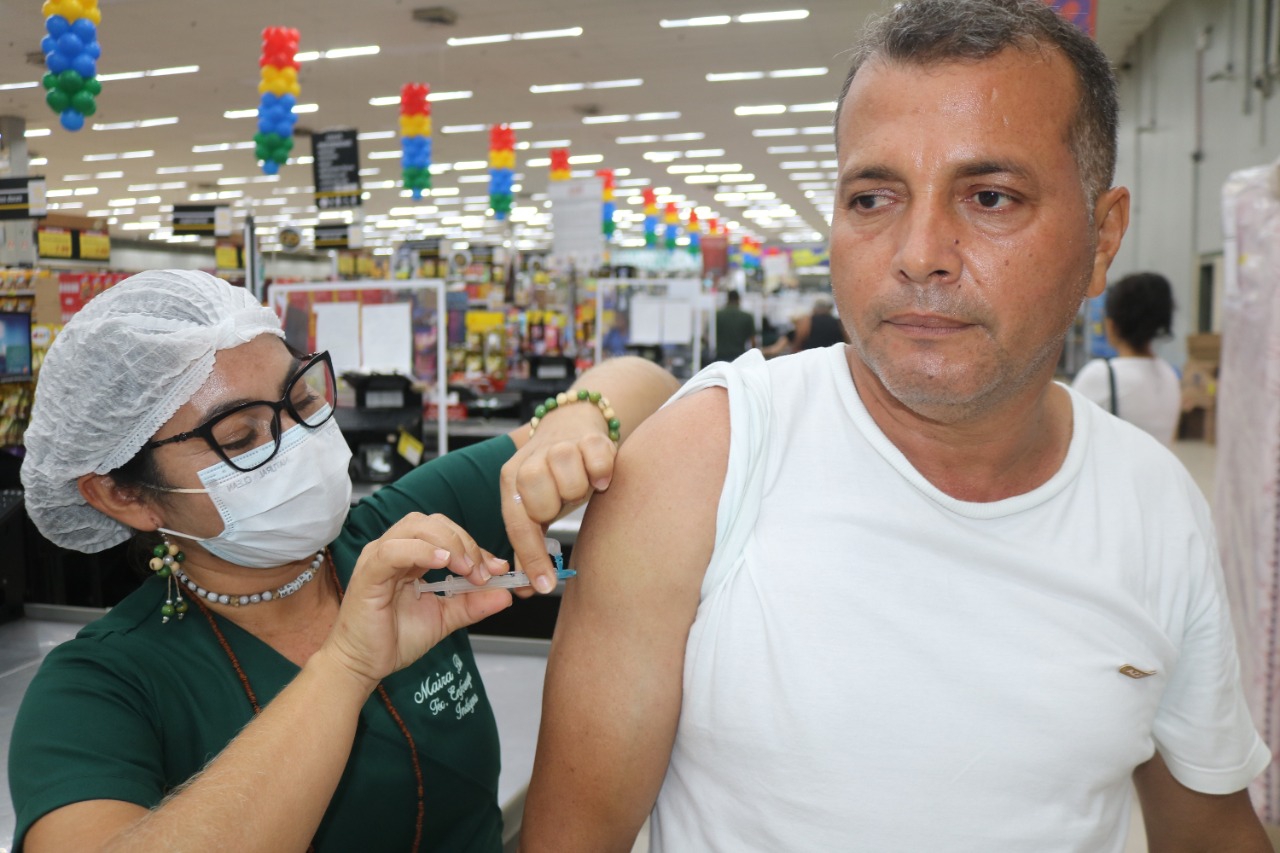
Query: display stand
(661, 312)
(1246, 502)
(339, 294)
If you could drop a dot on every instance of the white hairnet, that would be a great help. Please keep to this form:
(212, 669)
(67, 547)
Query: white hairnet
(114, 375)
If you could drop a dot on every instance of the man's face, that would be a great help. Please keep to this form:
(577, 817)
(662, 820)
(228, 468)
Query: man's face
(961, 243)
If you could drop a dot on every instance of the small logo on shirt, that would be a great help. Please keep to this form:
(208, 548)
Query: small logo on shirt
(1133, 672)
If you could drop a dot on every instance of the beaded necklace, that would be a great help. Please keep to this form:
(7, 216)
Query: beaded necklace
(382, 694)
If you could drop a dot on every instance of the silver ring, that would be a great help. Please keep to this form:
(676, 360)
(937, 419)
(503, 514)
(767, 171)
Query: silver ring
(516, 498)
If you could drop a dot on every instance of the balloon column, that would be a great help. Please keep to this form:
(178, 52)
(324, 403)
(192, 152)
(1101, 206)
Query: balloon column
(279, 91)
(606, 219)
(672, 219)
(415, 138)
(695, 233)
(713, 227)
(71, 52)
(502, 167)
(750, 253)
(560, 164)
(650, 216)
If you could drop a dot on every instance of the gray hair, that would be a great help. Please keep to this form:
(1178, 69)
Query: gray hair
(929, 32)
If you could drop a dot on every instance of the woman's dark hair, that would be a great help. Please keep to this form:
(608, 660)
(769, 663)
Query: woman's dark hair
(1141, 307)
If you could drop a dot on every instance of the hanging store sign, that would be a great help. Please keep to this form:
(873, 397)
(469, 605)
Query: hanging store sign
(22, 198)
(335, 167)
(203, 220)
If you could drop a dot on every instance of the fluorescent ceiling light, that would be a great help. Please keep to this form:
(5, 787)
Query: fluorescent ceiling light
(736, 177)
(131, 125)
(476, 179)
(122, 202)
(705, 152)
(760, 110)
(86, 191)
(568, 32)
(768, 17)
(520, 125)
(551, 143)
(702, 179)
(775, 131)
(221, 146)
(661, 156)
(583, 159)
(107, 176)
(820, 130)
(346, 52)
(557, 87)
(38, 161)
(707, 21)
(394, 100)
(787, 149)
(799, 72)
(616, 84)
(155, 72)
(36, 131)
(824, 107)
(683, 137)
(4, 87)
(125, 155)
(724, 167)
(798, 164)
(383, 155)
(686, 169)
(462, 128)
(463, 42)
(464, 165)
(300, 108)
(605, 119)
(376, 134)
(656, 116)
(635, 140)
(57, 193)
(735, 75)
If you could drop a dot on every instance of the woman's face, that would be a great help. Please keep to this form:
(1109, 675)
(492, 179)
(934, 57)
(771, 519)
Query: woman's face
(258, 370)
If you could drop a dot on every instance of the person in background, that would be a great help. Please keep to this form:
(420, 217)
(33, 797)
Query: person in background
(912, 594)
(1136, 385)
(820, 328)
(735, 329)
(277, 683)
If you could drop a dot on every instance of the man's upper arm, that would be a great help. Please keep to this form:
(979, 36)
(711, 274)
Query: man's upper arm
(614, 679)
(1180, 820)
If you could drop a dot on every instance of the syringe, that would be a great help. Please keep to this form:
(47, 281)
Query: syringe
(508, 580)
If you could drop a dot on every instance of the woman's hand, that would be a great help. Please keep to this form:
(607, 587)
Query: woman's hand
(383, 625)
(569, 458)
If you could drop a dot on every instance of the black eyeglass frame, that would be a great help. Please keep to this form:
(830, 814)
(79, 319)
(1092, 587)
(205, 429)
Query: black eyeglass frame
(205, 430)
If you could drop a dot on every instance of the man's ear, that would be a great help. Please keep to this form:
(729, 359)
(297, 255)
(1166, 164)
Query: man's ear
(1111, 218)
(112, 500)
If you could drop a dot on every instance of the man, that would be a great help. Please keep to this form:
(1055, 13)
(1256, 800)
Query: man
(735, 329)
(910, 594)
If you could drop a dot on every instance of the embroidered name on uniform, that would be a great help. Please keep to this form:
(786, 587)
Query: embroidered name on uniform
(1133, 672)
(457, 685)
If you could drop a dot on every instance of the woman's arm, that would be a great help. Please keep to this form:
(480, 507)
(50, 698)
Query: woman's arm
(570, 456)
(269, 788)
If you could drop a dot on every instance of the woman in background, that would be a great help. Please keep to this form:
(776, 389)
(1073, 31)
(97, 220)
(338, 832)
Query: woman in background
(1136, 385)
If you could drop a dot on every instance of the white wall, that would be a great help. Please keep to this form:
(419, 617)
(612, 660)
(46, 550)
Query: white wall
(1177, 202)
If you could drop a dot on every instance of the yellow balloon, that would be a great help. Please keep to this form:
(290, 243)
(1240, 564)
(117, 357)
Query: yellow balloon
(426, 125)
(289, 73)
(72, 10)
(94, 15)
(278, 89)
(294, 90)
(263, 88)
(49, 9)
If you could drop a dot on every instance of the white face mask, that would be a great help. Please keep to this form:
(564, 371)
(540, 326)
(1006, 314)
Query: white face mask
(288, 509)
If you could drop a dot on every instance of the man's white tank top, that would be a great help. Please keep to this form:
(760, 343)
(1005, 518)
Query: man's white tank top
(877, 666)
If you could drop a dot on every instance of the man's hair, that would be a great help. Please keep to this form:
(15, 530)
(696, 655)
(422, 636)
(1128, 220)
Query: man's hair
(734, 297)
(932, 32)
(1141, 306)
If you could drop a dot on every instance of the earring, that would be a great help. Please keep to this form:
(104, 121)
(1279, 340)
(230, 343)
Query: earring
(164, 558)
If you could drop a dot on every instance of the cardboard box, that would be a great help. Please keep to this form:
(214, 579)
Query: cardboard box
(1199, 384)
(1205, 347)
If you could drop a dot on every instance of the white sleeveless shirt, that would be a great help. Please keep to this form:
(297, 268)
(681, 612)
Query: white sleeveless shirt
(877, 666)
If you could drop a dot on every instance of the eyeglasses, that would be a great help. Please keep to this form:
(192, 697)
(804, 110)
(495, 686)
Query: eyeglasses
(241, 435)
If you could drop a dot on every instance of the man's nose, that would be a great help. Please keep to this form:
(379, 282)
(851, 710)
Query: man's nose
(928, 244)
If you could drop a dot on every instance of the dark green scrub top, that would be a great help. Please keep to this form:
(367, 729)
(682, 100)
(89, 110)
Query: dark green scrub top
(131, 708)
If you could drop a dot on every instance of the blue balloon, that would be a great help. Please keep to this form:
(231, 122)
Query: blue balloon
(70, 44)
(71, 120)
(92, 48)
(56, 25)
(85, 30)
(288, 101)
(84, 66)
(57, 62)
(417, 195)
(270, 167)
(48, 45)
(267, 101)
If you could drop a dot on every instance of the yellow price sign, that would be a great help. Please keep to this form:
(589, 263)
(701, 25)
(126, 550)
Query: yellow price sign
(54, 243)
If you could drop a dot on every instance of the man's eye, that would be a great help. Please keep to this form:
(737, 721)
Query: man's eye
(992, 200)
(868, 202)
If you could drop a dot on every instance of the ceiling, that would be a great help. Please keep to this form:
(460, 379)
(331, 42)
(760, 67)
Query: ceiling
(775, 169)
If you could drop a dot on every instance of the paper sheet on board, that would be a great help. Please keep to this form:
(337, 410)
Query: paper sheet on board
(387, 338)
(338, 331)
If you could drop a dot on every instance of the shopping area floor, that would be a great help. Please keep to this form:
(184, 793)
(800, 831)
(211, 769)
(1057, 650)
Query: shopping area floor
(24, 644)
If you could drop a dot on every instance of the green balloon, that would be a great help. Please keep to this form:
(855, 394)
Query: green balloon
(49, 80)
(70, 81)
(93, 87)
(57, 100)
(82, 102)
(262, 151)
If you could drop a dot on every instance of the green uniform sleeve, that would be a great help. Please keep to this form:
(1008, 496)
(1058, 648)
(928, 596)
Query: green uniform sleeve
(462, 485)
(86, 730)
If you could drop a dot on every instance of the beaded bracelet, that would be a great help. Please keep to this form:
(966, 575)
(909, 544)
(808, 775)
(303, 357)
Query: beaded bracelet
(564, 398)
